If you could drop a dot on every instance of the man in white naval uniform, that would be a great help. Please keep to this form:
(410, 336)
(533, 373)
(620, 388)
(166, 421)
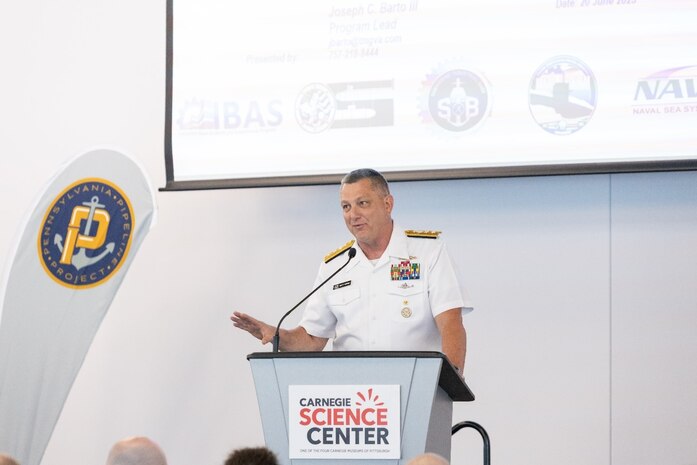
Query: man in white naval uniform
(400, 292)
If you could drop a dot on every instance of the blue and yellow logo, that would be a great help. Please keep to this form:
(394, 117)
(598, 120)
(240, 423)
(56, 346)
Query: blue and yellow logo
(86, 233)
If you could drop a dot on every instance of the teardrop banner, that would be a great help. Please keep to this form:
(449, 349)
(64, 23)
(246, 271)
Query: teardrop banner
(75, 249)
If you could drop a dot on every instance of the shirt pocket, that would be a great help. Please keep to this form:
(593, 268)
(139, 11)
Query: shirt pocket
(342, 297)
(407, 304)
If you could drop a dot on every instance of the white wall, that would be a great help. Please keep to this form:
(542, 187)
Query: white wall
(581, 348)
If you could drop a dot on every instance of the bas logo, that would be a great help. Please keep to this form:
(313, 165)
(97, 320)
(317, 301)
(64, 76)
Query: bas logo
(86, 233)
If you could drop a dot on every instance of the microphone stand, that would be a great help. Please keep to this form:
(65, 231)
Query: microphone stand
(277, 335)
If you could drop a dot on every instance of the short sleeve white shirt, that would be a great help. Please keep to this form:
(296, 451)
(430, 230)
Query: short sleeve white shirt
(389, 305)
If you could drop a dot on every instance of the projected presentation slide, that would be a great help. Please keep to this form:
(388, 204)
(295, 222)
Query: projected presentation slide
(278, 89)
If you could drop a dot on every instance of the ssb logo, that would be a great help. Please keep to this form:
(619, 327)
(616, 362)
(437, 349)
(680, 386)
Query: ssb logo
(455, 98)
(86, 233)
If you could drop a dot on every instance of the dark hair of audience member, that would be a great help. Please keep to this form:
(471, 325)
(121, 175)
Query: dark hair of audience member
(252, 456)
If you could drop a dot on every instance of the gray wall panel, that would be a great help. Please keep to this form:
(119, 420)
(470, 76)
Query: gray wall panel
(654, 318)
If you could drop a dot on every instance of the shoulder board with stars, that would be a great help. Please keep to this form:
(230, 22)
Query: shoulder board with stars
(332, 255)
(422, 234)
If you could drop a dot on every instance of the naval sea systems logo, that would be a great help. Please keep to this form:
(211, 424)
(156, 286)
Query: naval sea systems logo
(86, 233)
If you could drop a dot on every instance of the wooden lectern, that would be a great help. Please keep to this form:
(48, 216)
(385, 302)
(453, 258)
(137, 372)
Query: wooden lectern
(428, 385)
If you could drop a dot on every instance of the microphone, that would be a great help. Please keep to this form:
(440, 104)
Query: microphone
(277, 335)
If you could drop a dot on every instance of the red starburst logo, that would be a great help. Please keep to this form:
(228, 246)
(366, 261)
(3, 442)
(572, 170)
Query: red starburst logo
(369, 399)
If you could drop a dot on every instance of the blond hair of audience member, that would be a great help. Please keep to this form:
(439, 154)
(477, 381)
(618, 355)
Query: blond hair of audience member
(428, 459)
(7, 460)
(136, 451)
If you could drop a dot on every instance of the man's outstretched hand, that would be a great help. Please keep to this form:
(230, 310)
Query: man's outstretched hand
(260, 330)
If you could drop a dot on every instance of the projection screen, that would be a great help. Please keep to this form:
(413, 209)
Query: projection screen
(283, 93)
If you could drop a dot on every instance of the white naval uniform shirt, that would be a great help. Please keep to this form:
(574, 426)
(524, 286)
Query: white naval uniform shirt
(363, 308)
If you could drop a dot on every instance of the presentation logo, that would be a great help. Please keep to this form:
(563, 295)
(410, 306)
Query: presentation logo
(342, 105)
(457, 100)
(198, 114)
(669, 91)
(315, 108)
(562, 95)
(86, 233)
(239, 116)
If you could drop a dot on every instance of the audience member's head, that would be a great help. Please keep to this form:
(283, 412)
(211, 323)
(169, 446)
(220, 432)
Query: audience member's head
(252, 456)
(7, 460)
(428, 459)
(136, 451)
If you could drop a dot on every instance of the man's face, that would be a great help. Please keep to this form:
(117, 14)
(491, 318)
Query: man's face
(367, 211)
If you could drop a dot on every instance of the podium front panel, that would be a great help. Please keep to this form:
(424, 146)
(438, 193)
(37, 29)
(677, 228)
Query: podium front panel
(425, 409)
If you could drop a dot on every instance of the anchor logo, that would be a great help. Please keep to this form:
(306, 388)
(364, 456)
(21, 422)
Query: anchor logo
(86, 233)
(91, 211)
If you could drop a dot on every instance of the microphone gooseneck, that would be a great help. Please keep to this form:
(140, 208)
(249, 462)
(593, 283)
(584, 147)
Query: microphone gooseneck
(277, 335)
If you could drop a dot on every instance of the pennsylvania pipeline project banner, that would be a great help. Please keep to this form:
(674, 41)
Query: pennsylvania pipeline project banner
(344, 422)
(75, 250)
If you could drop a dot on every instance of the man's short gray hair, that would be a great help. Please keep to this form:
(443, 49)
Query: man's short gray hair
(377, 180)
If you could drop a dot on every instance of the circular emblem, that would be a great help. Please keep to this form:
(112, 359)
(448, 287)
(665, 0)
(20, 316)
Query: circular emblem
(562, 95)
(406, 312)
(459, 100)
(86, 233)
(315, 108)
